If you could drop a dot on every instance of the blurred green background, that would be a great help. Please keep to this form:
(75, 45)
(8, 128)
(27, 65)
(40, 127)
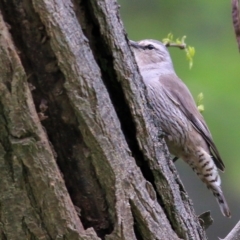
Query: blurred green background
(215, 72)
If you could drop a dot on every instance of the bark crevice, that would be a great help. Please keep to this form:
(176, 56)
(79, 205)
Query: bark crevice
(90, 117)
(105, 59)
(61, 125)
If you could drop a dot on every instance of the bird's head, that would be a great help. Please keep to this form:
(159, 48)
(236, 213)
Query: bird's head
(151, 54)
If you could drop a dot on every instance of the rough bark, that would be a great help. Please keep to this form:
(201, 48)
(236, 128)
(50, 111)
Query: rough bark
(82, 156)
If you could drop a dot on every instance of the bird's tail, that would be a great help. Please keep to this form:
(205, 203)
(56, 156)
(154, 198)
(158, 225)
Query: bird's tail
(217, 192)
(207, 171)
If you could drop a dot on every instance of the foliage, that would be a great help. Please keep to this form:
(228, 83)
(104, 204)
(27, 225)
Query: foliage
(190, 51)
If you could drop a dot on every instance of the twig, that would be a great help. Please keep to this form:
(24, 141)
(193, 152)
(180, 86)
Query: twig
(179, 45)
(234, 234)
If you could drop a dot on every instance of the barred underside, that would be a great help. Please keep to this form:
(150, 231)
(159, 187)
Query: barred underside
(185, 142)
(185, 130)
(208, 172)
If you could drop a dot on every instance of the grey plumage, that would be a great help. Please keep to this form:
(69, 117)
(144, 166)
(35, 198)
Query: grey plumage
(186, 133)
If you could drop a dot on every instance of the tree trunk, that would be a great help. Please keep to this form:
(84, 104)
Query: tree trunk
(81, 155)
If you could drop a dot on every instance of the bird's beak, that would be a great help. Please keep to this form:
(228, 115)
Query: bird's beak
(134, 44)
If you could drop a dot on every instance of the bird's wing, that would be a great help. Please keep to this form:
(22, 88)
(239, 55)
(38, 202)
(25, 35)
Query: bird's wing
(180, 95)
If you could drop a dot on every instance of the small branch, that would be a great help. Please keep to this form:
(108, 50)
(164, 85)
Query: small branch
(179, 45)
(205, 219)
(234, 234)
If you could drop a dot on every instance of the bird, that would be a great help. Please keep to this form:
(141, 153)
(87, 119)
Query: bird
(185, 131)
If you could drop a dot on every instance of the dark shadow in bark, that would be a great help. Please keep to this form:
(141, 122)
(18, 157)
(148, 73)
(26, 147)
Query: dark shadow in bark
(60, 123)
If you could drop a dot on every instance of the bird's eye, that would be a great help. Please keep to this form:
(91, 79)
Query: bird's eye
(150, 47)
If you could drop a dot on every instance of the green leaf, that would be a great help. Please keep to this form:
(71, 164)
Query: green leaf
(201, 108)
(190, 51)
(168, 39)
(200, 105)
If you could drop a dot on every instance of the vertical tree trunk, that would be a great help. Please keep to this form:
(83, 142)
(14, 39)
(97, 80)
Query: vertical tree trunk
(81, 156)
